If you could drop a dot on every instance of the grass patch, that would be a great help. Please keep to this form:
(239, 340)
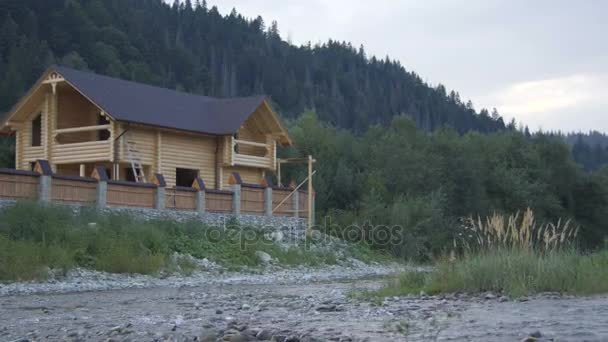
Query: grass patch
(513, 272)
(34, 238)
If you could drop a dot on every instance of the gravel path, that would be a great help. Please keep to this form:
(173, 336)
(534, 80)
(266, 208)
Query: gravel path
(294, 310)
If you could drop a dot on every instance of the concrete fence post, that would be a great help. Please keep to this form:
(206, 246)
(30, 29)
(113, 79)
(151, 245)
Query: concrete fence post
(101, 175)
(235, 182)
(199, 185)
(267, 184)
(296, 203)
(159, 198)
(46, 180)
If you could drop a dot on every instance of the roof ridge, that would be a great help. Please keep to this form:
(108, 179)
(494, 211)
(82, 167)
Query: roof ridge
(58, 68)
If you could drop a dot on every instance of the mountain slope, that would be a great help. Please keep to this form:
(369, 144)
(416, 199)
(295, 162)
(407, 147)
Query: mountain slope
(195, 49)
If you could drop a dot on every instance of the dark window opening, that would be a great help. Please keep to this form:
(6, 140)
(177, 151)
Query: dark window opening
(105, 134)
(129, 176)
(37, 131)
(185, 177)
(236, 146)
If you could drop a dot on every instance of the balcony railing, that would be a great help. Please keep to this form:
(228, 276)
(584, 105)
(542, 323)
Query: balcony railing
(267, 160)
(81, 151)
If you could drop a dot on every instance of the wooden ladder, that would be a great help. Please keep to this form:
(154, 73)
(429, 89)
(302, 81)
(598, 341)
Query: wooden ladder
(135, 160)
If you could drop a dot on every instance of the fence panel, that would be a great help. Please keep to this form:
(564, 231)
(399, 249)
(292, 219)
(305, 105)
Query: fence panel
(218, 201)
(180, 199)
(130, 194)
(74, 190)
(252, 200)
(18, 185)
(278, 195)
(303, 207)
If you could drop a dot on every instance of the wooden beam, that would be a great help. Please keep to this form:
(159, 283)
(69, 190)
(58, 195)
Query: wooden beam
(310, 174)
(250, 143)
(83, 129)
(294, 160)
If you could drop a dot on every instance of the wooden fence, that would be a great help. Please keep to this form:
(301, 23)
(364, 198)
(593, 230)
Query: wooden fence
(17, 184)
(180, 198)
(303, 208)
(42, 184)
(74, 190)
(285, 209)
(131, 194)
(218, 201)
(252, 199)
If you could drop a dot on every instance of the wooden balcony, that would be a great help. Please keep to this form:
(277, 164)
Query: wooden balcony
(266, 159)
(82, 152)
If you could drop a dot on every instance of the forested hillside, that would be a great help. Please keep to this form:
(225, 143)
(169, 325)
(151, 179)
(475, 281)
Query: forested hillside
(589, 149)
(193, 48)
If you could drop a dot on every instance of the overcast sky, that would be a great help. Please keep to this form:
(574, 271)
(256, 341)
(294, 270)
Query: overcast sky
(544, 62)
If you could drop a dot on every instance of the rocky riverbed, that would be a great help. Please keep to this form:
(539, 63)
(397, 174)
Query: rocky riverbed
(314, 307)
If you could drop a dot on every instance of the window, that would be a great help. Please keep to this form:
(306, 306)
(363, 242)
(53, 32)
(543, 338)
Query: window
(185, 177)
(37, 131)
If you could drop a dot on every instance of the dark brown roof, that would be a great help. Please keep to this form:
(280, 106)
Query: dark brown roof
(144, 104)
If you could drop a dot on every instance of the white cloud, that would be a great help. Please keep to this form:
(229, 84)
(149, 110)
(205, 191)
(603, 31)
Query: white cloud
(558, 103)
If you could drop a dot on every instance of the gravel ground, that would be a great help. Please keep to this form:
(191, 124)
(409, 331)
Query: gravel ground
(288, 305)
(79, 280)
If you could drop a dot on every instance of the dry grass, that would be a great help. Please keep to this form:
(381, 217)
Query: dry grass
(517, 231)
(512, 255)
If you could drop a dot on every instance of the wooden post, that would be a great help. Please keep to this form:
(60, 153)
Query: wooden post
(83, 170)
(116, 171)
(310, 217)
(279, 173)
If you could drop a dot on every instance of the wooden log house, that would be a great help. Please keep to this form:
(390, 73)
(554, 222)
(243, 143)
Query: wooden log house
(77, 120)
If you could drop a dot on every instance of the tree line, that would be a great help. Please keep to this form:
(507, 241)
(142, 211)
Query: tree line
(426, 183)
